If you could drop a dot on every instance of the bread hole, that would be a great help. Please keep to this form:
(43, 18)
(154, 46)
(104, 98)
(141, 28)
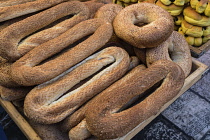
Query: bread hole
(82, 82)
(140, 24)
(139, 98)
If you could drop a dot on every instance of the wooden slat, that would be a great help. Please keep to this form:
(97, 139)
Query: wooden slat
(198, 67)
(20, 121)
(199, 51)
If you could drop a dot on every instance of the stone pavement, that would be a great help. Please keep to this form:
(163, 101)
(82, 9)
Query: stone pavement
(188, 118)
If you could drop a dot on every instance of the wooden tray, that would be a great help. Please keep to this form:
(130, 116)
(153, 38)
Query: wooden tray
(199, 51)
(198, 70)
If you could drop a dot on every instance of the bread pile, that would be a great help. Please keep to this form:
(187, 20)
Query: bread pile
(191, 18)
(81, 70)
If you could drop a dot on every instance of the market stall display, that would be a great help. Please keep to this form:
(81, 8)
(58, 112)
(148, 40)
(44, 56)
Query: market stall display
(80, 71)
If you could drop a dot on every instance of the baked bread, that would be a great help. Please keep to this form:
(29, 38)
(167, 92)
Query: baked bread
(176, 2)
(54, 100)
(103, 118)
(173, 9)
(20, 37)
(200, 6)
(176, 49)
(178, 19)
(191, 30)
(194, 41)
(158, 25)
(13, 11)
(13, 2)
(194, 18)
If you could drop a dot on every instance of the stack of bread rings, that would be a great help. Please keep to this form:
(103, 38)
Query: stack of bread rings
(195, 15)
(90, 69)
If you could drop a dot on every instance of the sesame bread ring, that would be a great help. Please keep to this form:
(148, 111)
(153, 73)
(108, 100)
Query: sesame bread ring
(173, 9)
(176, 49)
(93, 7)
(191, 30)
(14, 11)
(13, 2)
(20, 37)
(108, 11)
(76, 122)
(9, 89)
(159, 25)
(141, 54)
(75, 118)
(103, 116)
(35, 67)
(194, 18)
(47, 103)
(14, 93)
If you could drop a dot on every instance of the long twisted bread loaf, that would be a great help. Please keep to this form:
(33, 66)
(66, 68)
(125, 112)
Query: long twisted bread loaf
(76, 122)
(45, 103)
(18, 9)
(103, 118)
(13, 2)
(28, 70)
(18, 38)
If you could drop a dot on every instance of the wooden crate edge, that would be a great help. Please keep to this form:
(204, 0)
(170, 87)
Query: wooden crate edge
(19, 120)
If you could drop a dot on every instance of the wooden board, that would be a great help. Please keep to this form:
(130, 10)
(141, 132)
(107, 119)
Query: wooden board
(197, 72)
(199, 51)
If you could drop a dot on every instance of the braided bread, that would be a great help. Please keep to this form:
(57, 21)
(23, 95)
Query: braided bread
(200, 6)
(173, 9)
(189, 29)
(175, 2)
(194, 18)
(44, 103)
(196, 41)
